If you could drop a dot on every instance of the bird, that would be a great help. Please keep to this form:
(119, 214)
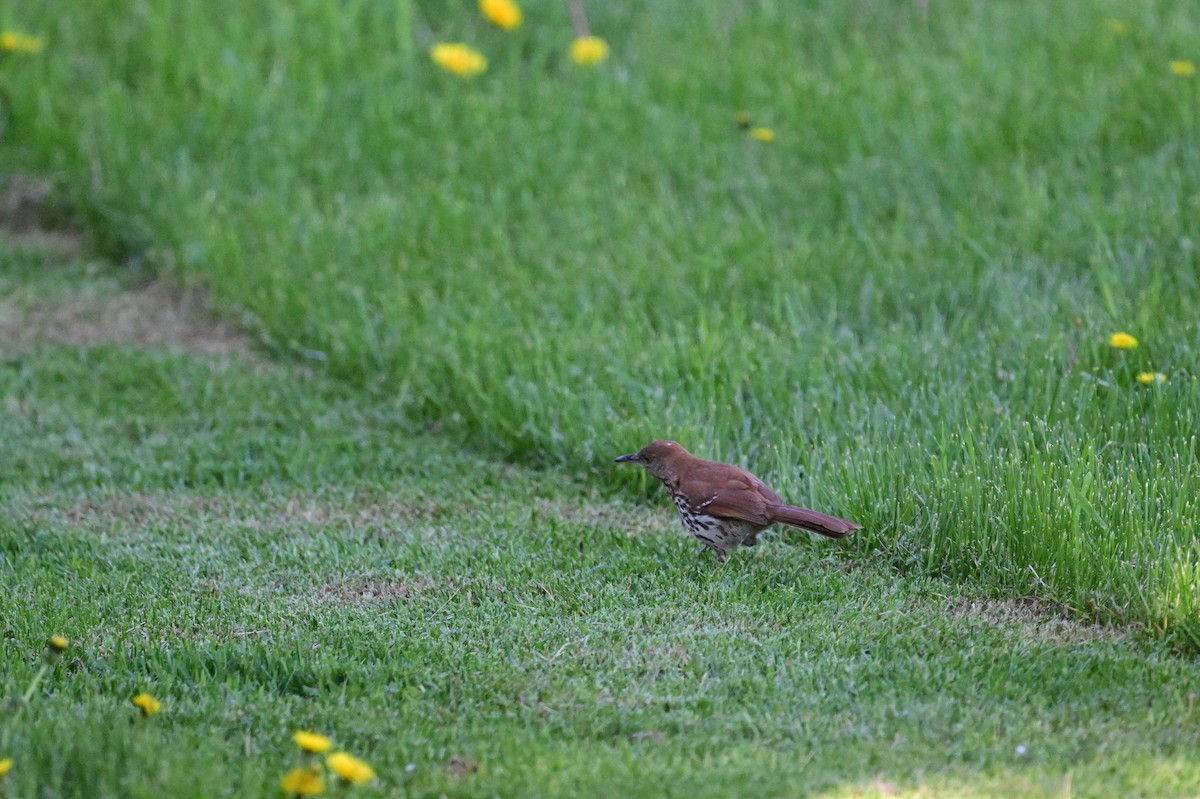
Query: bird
(725, 506)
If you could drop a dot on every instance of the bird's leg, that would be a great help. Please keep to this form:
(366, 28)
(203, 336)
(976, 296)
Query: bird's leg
(722, 555)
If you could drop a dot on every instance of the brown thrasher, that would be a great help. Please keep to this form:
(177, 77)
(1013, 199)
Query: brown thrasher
(724, 506)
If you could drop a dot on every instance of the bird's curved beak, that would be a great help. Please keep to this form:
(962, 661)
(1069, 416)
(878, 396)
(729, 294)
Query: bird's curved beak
(626, 458)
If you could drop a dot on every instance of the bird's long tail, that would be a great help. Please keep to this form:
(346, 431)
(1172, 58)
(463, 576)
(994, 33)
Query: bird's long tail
(805, 519)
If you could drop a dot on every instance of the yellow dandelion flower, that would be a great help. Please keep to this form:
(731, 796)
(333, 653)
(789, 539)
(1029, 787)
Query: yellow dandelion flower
(764, 135)
(459, 59)
(1184, 69)
(147, 704)
(350, 768)
(743, 120)
(1150, 378)
(5, 766)
(1122, 341)
(12, 42)
(1117, 27)
(502, 13)
(587, 51)
(55, 646)
(303, 782)
(312, 742)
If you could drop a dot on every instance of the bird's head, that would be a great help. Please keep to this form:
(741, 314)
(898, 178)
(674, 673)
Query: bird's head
(657, 457)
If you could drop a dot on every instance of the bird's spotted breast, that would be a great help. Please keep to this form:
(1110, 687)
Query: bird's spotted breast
(696, 522)
(715, 532)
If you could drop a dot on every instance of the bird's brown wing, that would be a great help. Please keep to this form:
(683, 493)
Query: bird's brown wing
(728, 491)
(735, 493)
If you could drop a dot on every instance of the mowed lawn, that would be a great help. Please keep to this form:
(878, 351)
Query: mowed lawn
(264, 550)
(932, 269)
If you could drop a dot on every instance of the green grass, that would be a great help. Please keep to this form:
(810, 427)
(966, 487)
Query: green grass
(897, 312)
(266, 549)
